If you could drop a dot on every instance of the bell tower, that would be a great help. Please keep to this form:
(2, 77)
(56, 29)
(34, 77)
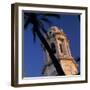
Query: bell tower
(61, 49)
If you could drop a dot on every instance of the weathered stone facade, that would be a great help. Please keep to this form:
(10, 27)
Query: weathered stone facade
(61, 49)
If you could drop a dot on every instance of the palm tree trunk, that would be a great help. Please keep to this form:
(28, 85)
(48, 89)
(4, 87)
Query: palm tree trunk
(52, 56)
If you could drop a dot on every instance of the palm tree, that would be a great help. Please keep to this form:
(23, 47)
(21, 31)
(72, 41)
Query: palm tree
(39, 30)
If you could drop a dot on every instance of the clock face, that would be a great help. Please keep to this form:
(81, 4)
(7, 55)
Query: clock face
(69, 67)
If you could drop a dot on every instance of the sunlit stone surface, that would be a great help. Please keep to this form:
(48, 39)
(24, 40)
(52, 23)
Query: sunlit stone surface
(60, 46)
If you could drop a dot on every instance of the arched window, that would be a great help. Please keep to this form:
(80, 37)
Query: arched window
(61, 48)
(53, 48)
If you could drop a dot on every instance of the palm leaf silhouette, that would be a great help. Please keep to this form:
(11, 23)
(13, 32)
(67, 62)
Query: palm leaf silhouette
(53, 15)
(39, 30)
(46, 20)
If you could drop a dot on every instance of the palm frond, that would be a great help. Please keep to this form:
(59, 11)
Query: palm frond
(52, 15)
(33, 19)
(41, 25)
(34, 34)
(27, 23)
(44, 30)
(26, 19)
(46, 20)
(28, 14)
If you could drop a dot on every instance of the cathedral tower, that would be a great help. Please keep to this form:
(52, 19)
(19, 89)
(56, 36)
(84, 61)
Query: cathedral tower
(61, 49)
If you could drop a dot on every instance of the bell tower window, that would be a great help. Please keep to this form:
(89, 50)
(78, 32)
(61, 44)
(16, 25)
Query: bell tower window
(53, 48)
(61, 48)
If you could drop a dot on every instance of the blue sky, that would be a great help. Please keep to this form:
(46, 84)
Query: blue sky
(33, 61)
